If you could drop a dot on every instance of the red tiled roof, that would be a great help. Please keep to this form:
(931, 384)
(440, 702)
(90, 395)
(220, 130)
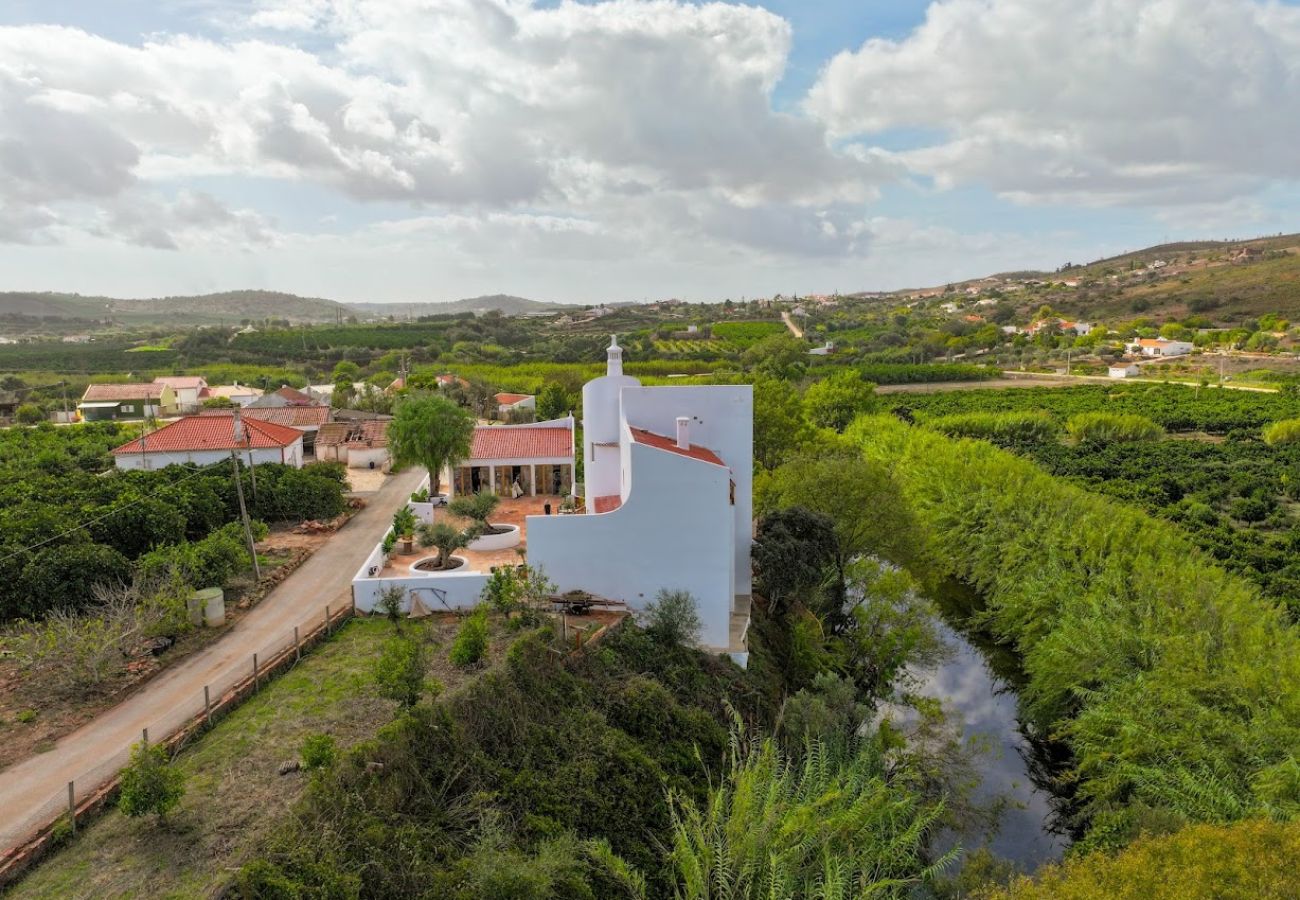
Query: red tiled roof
(650, 439)
(332, 434)
(296, 397)
(608, 503)
(520, 441)
(102, 393)
(299, 416)
(181, 381)
(504, 399)
(211, 433)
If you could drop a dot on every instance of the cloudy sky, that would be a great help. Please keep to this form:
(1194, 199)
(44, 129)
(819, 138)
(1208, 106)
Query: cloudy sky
(630, 149)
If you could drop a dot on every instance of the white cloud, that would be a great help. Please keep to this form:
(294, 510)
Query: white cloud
(1084, 101)
(613, 113)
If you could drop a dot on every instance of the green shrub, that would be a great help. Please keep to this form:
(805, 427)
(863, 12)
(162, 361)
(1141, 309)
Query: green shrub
(25, 716)
(29, 414)
(1009, 427)
(400, 669)
(318, 751)
(1279, 434)
(150, 784)
(1108, 428)
(470, 645)
(673, 618)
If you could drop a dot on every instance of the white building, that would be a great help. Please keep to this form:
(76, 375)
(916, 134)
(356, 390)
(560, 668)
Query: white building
(1160, 347)
(668, 500)
(188, 389)
(825, 350)
(203, 440)
(537, 457)
(508, 403)
(1123, 368)
(238, 394)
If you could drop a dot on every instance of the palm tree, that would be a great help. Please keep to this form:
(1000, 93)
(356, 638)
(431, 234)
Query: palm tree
(430, 431)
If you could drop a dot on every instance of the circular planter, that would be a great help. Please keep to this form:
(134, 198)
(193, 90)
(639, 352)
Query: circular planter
(425, 565)
(508, 537)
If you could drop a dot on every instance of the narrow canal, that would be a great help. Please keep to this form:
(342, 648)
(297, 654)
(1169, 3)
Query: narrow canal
(976, 685)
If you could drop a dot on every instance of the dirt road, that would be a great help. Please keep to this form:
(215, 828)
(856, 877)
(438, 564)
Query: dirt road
(789, 323)
(32, 790)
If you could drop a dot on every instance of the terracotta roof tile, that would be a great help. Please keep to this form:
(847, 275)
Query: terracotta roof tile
(332, 434)
(650, 439)
(520, 441)
(106, 392)
(181, 381)
(212, 433)
(505, 399)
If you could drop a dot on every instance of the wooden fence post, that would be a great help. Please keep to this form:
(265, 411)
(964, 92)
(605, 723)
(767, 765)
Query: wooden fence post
(255, 682)
(145, 738)
(297, 646)
(72, 807)
(327, 620)
(207, 706)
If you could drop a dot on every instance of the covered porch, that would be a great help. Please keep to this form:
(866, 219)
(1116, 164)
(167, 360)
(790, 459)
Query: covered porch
(533, 478)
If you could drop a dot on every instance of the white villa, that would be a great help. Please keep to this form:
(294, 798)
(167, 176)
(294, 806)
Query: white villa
(666, 504)
(1160, 347)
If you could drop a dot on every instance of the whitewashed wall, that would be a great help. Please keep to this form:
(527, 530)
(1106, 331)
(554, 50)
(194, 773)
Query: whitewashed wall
(674, 531)
(291, 455)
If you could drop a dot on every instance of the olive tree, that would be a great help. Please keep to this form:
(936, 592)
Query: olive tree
(430, 431)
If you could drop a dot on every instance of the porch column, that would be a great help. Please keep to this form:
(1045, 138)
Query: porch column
(492, 478)
(532, 479)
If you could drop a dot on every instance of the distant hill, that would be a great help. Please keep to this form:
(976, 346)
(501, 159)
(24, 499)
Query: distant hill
(1224, 281)
(230, 307)
(503, 303)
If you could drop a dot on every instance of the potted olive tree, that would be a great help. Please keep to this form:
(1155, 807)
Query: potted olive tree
(446, 539)
(477, 508)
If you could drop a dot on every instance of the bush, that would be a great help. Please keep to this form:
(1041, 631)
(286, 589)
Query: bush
(1009, 427)
(400, 670)
(673, 618)
(1279, 434)
(1107, 428)
(29, 414)
(471, 643)
(150, 784)
(318, 751)
(390, 603)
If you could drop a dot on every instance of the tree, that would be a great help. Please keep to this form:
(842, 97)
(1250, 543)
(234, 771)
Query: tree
(346, 371)
(553, 401)
(150, 784)
(447, 539)
(430, 431)
(477, 508)
(781, 356)
(471, 642)
(780, 428)
(673, 617)
(29, 414)
(836, 401)
(218, 403)
(793, 553)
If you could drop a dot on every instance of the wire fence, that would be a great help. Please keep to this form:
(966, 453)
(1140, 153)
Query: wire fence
(59, 801)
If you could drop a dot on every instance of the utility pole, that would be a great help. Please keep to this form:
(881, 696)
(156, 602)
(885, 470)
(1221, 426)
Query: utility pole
(241, 434)
(65, 401)
(243, 515)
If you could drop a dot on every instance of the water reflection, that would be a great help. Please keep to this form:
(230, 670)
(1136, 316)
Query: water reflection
(977, 686)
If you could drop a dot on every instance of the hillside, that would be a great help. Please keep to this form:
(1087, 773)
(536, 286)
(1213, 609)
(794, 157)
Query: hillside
(1227, 282)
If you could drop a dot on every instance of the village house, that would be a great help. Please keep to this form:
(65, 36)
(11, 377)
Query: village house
(308, 420)
(359, 445)
(103, 402)
(1123, 368)
(825, 350)
(188, 390)
(284, 396)
(518, 459)
(508, 403)
(238, 394)
(1160, 347)
(203, 440)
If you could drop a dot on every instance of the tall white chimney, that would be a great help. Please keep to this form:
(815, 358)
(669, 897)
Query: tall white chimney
(683, 432)
(614, 357)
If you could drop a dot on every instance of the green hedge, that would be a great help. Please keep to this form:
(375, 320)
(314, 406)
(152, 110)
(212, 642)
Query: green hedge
(1174, 683)
(1008, 427)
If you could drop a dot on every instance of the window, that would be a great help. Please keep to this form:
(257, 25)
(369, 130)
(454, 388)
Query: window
(128, 408)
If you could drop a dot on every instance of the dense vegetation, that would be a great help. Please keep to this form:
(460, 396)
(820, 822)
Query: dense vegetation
(69, 520)
(1159, 669)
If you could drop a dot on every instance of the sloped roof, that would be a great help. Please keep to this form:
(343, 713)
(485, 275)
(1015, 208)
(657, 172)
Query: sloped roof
(520, 442)
(211, 433)
(178, 382)
(296, 397)
(115, 392)
(293, 416)
(332, 434)
(373, 433)
(650, 439)
(506, 399)
(234, 390)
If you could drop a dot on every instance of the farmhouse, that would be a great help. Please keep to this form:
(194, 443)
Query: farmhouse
(189, 389)
(1160, 347)
(102, 402)
(203, 440)
(518, 459)
(238, 394)
(361, 445)
(1123, 368)
(825, 350)
(306, 419)
(284, 396)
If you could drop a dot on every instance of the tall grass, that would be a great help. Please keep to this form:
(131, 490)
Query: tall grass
(1112, 428)
(1009, 427)
(1282, 433)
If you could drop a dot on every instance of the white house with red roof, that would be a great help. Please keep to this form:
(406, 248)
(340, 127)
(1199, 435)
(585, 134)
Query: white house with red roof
(508, 403)
(188, 389)
(1160, 347)
(668, 473)
(127, 401)
(537, 458)
(203, 440)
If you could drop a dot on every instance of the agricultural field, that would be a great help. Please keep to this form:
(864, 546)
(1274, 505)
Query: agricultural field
(745, 334)
(682, 347)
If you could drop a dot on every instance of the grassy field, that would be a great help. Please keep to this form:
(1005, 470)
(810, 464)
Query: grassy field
(235, 795)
